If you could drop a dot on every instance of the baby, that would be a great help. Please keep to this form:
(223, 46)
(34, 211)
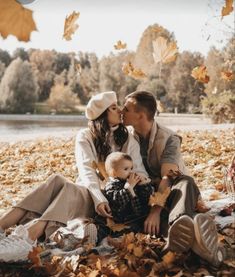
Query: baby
(127, 192)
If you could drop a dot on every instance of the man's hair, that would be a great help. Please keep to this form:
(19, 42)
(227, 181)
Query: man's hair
(114, 159)
(145, 101)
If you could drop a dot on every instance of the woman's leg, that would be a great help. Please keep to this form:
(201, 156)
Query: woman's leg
(11, 218)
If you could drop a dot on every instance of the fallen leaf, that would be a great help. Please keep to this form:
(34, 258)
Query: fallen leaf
(120, 45)
(169, 257)
(69, 25)
(116, 227)
(228, 8)
(164, 52)
(159, 198)
(16, 20)
(214, 196)
(201, 207)
(35, 257)
(200, 74)
(227, 75)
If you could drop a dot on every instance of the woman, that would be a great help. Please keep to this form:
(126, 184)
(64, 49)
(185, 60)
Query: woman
(57, 201)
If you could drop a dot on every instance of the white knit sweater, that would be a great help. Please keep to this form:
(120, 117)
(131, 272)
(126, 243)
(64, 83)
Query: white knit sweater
(85, 154)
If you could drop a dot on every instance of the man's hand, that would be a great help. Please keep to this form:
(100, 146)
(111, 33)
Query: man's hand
(152, 222)
(104, 210)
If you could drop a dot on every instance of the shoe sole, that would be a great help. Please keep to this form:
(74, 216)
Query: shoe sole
(181, 235)
(206, 233)
(90, 231)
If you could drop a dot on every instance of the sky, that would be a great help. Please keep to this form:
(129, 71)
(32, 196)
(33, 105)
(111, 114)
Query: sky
(196, 24)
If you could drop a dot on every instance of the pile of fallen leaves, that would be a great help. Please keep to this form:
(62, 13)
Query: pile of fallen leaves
(25, 165)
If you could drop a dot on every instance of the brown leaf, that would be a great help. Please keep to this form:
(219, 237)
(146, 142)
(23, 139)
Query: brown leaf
(169, 257)
(228, 8)
(69, 25)
(163, 52)
(16, 20)
(227, 75)
(200, 74)
(78, 68)
(120, 45)
(201, 207)
(116, 227)
(214, 196)
(35, 257)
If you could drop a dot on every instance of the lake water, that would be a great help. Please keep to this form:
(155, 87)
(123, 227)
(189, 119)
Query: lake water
(16, 129)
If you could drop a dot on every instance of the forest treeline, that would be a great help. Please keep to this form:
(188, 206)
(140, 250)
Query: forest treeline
(39, 81)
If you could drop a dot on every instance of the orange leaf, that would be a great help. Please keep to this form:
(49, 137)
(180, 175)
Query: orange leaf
(201, 207)
(163, 52)
(34, 256)
(214, 196)
(228, 8)
(69, 25)
(169, 258)
(128, 69)
(16, 20)
(200, 74)
(120, 45)
(116, 227)
(227, 75)
(159, 198)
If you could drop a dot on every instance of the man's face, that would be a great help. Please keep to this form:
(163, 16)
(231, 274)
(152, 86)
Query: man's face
(130, 115)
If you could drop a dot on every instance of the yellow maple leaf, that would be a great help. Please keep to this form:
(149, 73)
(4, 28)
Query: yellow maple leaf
(16, 20)
(70, 26)
(159, 198)
(116, 227)
(227, 75)
(136, 73)
(120, 45)
(200, 74)
(228, 8)
(164, 52)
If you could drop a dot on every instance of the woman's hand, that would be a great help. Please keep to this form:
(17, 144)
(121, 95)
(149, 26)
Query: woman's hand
(152, 222)
(104, 210)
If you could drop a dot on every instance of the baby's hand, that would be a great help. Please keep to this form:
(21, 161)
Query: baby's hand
(133, 179)
(143, 179)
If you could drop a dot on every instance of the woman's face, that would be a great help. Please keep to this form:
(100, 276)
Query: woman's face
(114, 115)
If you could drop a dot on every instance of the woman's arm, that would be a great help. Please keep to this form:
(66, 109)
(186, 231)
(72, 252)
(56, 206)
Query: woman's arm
(85, 155)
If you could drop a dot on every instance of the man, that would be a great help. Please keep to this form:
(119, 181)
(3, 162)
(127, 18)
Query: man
(175, 217)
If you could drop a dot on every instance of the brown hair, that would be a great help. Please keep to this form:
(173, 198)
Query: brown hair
(100, 131)
(145, 101)
(113, 159)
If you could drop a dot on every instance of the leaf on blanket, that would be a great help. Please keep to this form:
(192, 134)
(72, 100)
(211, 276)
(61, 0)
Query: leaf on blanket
(214, 196)
(201, 207)
(227, 211)
(159, 198)
(34, 256)
(116, 227)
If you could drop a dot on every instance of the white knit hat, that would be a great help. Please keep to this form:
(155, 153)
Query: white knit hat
(99, 103)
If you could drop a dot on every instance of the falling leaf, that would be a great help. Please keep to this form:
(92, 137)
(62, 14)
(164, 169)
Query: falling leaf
(128, 69)
(16, 20)
(116, 227)
(35, 257)
(227, 75)
(120, 45)
(70, 26)
(200, 74)
(159, 198)
(228, 8)
(163, 52)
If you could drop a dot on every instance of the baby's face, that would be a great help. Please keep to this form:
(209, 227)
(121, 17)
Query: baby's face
(123, 170)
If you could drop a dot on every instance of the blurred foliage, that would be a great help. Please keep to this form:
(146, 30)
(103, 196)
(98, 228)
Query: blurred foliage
(220, 107)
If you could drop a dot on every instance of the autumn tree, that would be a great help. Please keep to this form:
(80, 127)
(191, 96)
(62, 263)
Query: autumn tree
(43, 63)
(18, 88)
(61, 98)
(5, 57)
(62, 62)
(184, 92)
(20, 53)
(112, 76)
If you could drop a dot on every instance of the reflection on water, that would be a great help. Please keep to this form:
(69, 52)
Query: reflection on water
(9, 130)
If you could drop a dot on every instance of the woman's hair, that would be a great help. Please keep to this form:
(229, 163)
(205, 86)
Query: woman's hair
(100, 131)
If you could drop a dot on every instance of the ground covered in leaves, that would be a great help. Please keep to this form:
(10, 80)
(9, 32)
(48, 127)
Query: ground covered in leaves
(25, 165)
